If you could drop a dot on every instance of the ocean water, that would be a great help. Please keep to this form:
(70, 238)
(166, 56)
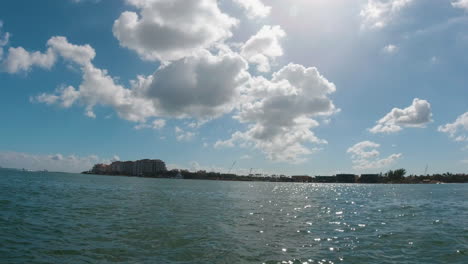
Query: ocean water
(72, 218)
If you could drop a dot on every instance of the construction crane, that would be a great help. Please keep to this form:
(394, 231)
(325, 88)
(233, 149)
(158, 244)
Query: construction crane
(234, 163)
(425, 170)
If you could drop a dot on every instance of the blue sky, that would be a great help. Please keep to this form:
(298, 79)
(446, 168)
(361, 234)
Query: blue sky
(285, 87)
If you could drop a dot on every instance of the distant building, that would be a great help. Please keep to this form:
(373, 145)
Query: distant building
(369, 178)
(127, 167)
(301, 178)
(101, 169)
(346, 178)
(147, 167)
(122, 167)
(116, 167)
(325, 179)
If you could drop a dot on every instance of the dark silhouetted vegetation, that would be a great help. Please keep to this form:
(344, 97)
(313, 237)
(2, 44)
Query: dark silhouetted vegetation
(391, 176)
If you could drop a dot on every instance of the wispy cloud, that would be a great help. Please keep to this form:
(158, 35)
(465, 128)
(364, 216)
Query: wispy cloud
(365, 156)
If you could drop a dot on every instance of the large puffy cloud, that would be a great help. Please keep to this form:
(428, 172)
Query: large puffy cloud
(379, 13)
(203, 86)
(254, 8)
(52, 162)
(418, 114)
(182, 89)
(458, 130)
(263, 47)
(279, 113)
(463, 4)
(172, 29)
(365, 156)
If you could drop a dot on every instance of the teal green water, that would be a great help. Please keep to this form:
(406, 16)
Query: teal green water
(72, 218)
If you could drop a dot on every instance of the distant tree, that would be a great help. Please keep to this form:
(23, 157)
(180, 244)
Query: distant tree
(400, 173)
(389, 174)
(396, 175)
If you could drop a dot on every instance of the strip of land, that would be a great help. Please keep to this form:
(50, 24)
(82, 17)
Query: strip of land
(156, 168)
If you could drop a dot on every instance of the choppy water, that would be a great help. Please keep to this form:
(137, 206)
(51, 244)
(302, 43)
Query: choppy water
(71, 218)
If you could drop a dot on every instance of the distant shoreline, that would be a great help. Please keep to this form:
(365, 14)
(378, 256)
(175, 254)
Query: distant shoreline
(156, 168)
(213, 176)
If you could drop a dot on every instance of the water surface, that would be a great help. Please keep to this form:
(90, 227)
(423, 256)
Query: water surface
(72, 218)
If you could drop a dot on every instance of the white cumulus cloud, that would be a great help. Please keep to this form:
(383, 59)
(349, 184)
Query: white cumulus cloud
(201, 79)
(172, 29)
(254, 8)
(18, 59)
(182, 89)
(80, 54)
(203, 86)
(264, 47)
(279, 113)
(97, 87)
(377, 14)
(365, 156)
(418, 114)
